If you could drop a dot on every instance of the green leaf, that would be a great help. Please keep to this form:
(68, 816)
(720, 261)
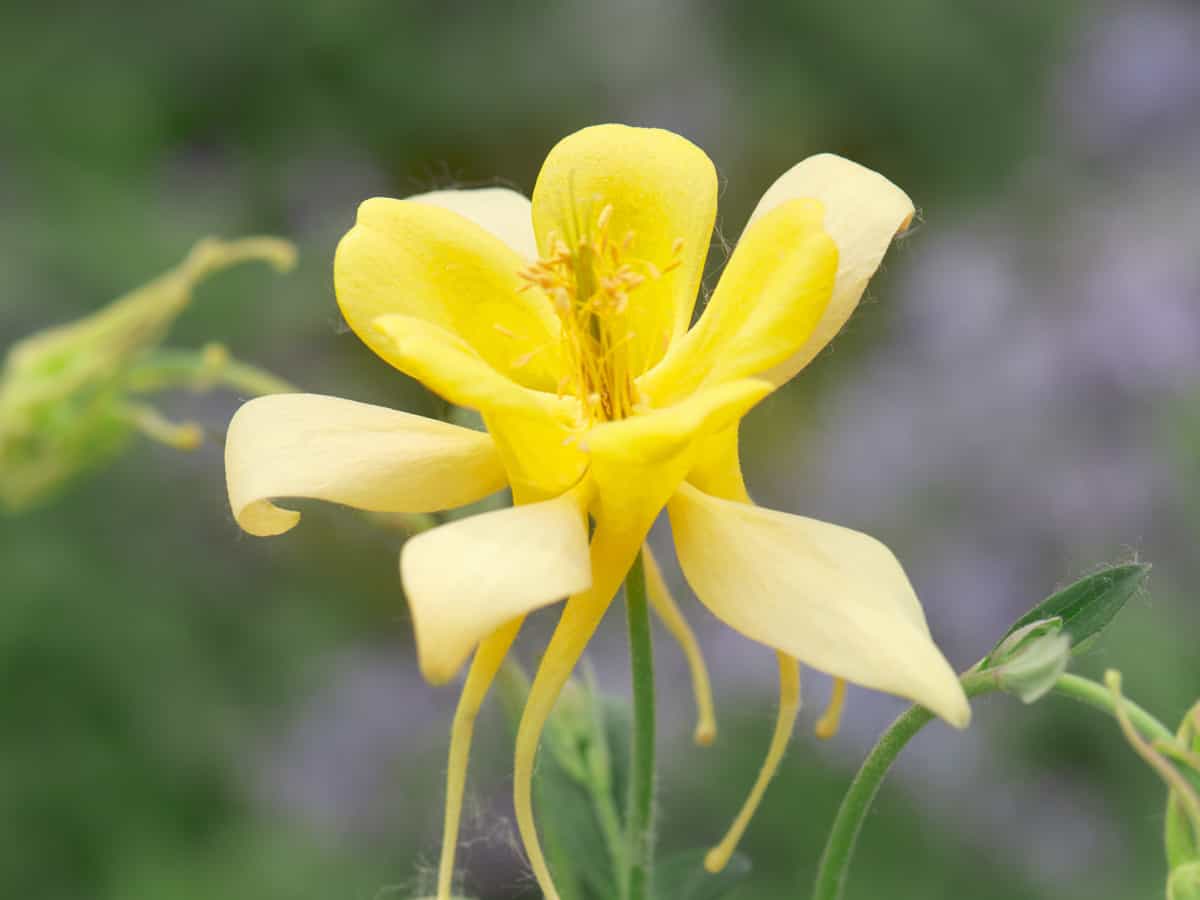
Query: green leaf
(1086, 607)
(683, 877)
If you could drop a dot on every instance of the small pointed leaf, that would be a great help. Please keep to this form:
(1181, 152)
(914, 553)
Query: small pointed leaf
(1086, 607)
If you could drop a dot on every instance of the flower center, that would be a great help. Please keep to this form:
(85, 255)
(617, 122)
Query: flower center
(589, 285)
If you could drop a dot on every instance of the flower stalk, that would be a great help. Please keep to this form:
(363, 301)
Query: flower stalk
(839, 847)
(640, 815)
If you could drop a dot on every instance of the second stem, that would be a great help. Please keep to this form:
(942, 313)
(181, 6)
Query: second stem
(640, 812)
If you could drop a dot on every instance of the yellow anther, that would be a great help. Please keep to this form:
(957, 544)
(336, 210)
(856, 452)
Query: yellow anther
(589, 286)
(831, 719)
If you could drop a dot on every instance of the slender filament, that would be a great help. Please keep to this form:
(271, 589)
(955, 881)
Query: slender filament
(668, 611)
(488, 658)
(831, 719)
(789, 708)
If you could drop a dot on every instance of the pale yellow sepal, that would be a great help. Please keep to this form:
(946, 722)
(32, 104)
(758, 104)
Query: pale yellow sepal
(448, 365)
(771, 296)
(863, 213)
(367, 457)
(663, 193)
(499, 211)
(833, 598)
(428, 262)
(466, 579)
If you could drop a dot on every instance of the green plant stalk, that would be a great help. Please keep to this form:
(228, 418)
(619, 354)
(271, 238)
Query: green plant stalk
(165, 369)
(639, 816)
(839, 847)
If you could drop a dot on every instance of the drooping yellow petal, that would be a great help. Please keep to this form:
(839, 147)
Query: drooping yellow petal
(368, 457)
(662, 190)
(833, 598)
(499, 211)
(428, 262)
(785, 721)
(466, 579)
(612, 553)
(770, 297)
(863, 213)
(487, 661)
(672, 617)
(448, 365)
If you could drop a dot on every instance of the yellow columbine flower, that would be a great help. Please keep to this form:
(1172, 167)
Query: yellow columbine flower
(564, 322)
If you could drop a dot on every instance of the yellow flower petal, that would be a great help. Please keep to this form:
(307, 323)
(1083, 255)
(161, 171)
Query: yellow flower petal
(637, 463)
(769, 299)
(660, 433)
(421, 260)
(542, 457)
(833, 598)
(502, 212)
(466, 579)
(717, 469)
(368, 457)
(448, 365)
(663, 192)
(863, 213)
(785, 723)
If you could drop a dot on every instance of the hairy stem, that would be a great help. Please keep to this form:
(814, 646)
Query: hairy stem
(639, 817)
(839, 847)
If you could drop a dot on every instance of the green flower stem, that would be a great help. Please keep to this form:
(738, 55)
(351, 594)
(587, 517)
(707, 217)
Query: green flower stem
(166, 369)
(839, 847)
(640, 813)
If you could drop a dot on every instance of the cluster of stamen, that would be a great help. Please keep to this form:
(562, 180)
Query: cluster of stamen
(589, 284)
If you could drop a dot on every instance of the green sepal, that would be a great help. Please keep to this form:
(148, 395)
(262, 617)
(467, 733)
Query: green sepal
(683, 877)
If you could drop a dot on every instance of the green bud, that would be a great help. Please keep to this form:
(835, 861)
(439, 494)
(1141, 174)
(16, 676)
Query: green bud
(1184, 882)
(64, 392)
(1031, 659)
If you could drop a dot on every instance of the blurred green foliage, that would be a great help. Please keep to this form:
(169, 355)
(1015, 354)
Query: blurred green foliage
(149, 655)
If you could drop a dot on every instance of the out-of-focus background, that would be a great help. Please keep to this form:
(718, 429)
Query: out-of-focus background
(186, 712)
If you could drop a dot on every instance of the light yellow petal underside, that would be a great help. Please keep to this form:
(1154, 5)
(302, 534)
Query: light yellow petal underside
(466, 579)
(448, 365)
(833, 598)
(771, 296)
(500, 211)
(426, 261)
(662, 189)
(368, 457)
(863, 213)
